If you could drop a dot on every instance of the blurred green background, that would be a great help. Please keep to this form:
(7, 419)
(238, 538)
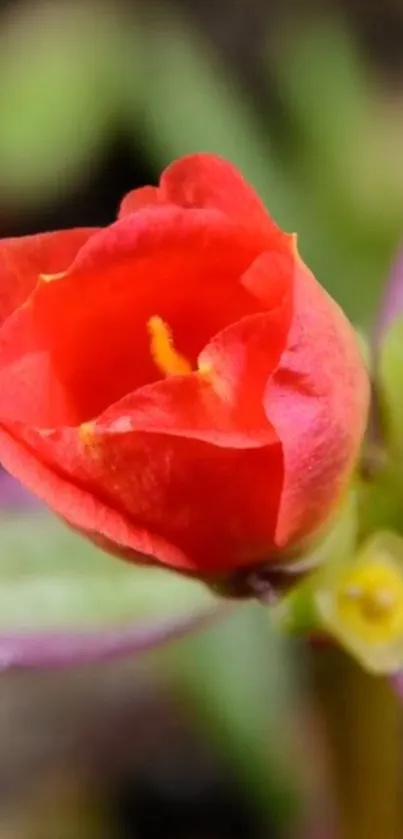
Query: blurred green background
(214, 736)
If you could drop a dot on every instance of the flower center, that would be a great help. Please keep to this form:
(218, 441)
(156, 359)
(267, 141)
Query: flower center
(371, 601)
(168, 360)
(375, 605)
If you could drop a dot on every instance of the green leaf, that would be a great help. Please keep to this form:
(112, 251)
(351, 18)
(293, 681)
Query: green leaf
(193, 104)
(51, 579)
(56, 97)
(348, 137)
(343, 155)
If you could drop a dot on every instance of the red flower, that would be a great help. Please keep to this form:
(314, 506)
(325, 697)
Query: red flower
(178, 385)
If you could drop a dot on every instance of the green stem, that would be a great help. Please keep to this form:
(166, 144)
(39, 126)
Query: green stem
(361, 720)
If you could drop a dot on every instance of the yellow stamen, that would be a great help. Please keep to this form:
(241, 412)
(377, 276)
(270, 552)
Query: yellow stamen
(86, 432)
(370, 602)
(48, 278)
(87, 436)
(168, 360)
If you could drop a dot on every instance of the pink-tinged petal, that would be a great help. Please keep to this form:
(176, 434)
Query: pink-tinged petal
(317, 401)
(23, 259)
(137, 199)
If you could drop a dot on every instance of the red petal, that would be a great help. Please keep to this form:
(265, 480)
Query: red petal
(223, 407)
(185, 503)
(82, 343)
(187, 470)
(23, 259)
(223, 404)
(137, 199)
(317, 402)
(206, 181)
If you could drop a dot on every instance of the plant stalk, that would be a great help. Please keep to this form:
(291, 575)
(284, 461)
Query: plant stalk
(362, 730)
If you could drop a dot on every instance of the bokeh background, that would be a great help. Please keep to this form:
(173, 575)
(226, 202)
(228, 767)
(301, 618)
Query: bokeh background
(215, 736)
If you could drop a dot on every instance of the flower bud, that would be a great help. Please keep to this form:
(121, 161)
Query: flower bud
(178, 386)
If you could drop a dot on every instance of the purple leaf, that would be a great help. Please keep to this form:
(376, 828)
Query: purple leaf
(13, 496)
(392, 302)
(67, 649)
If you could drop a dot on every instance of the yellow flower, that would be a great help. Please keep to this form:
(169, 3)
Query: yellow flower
(360, 603)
